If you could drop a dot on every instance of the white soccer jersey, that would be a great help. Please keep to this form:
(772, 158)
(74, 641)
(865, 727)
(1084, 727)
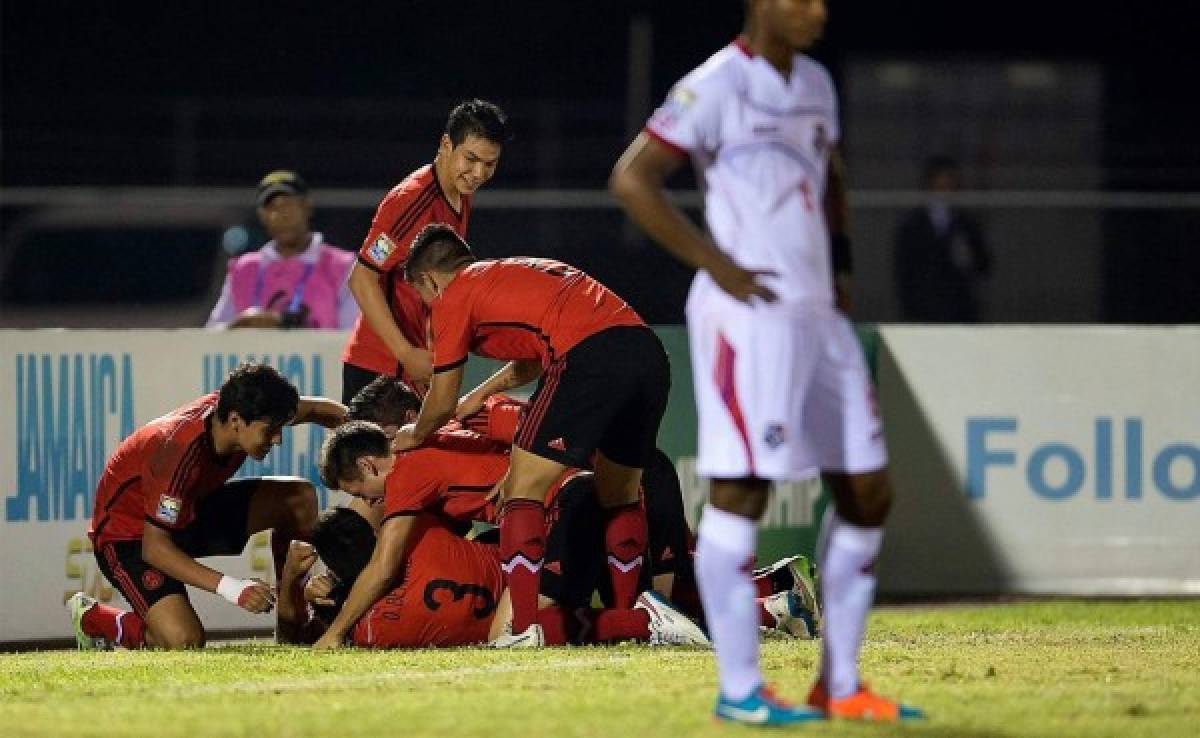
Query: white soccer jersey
(761, 147)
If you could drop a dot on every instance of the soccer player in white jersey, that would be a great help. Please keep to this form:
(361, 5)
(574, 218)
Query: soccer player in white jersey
(782, 389)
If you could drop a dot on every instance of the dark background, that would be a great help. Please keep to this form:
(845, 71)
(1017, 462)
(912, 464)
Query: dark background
(92, 94)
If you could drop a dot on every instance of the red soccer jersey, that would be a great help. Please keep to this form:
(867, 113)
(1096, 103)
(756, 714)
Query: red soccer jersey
(498, 419)
(410, 206)
(521, 309)
(451, 475)
(160, 474)
(447, 598)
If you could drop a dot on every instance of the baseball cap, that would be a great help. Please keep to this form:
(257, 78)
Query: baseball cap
(280, 182)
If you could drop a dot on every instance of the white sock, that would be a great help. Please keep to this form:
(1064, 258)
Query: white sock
(724, 550)
(847, 564)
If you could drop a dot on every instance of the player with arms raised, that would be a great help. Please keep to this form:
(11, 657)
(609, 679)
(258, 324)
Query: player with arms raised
(781, 385)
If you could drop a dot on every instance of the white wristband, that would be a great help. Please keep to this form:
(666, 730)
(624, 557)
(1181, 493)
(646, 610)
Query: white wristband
(231, 589)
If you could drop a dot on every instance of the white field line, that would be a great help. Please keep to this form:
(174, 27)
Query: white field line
(326, 681)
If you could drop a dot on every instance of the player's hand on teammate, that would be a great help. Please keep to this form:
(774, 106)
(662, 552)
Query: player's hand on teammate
(252, 595)
(741, 283)
(468, 409)
(418, 364)
(318, 588)
(405, 438)
(300, 559)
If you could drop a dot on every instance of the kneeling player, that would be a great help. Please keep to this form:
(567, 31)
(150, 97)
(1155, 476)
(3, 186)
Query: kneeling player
(165, 499)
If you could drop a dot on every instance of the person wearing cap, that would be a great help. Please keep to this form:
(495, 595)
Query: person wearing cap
(295, 280)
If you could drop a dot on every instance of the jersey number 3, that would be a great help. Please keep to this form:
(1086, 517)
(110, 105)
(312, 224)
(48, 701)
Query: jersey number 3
(485, 601)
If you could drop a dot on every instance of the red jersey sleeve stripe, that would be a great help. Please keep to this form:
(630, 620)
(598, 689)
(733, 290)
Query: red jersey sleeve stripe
(447, 367)
(413, 205)
(412, 214)
(191, 459)
(662, 140)
(368, 265)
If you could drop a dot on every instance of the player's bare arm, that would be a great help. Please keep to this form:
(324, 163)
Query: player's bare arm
(368, 292)
(160, 551)
(375, 580)
(320, 410)
(437, 408)
(512, 375)
(637, 181)
(294, 623)
(837, 216)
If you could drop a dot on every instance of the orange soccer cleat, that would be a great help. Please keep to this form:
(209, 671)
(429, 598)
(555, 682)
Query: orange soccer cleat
(862, 705)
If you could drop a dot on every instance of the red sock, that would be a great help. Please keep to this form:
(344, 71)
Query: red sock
(620, 624)
(625, 541)
(764, 618)
(554, 625)
(522, 549)
(122, 627)
(763, 586)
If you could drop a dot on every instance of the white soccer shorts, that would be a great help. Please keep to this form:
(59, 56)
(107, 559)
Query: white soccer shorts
(781, 395)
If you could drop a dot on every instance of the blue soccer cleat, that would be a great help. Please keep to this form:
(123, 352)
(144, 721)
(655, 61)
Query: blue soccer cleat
(762, 707)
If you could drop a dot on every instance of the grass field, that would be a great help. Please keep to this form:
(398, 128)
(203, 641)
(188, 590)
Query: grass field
(1059, 668)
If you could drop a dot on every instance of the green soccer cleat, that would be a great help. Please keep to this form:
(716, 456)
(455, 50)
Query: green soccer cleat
(78, 605)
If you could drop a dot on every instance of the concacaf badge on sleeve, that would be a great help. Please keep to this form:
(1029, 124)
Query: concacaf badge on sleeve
(168, 508)
(381, 249)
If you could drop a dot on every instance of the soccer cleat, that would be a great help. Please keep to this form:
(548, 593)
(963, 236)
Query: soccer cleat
(804, 576)
(668, 626)
(762, 707)
(78, 605)
(531, 637)
(862, 705)
(790, 615)
(798, 574)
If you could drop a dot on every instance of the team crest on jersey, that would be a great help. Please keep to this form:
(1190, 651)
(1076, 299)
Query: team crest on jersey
(168, 508)
(677, 103)
(152, 579)
(381, 249)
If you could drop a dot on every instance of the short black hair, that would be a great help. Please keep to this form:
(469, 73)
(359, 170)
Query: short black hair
(258, 392)
(386, 400)
(344, 541)
(348, 443)
(479, 118)
(437, 248)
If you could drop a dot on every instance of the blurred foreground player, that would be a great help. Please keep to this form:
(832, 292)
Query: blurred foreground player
(781, 385)
(604, 381)
(166, 498)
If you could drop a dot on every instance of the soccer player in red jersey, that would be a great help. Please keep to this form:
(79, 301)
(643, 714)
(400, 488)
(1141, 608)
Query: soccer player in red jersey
(603, 391)
(449, 592)
(390, 403)
(166, 498)
(389, 338)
